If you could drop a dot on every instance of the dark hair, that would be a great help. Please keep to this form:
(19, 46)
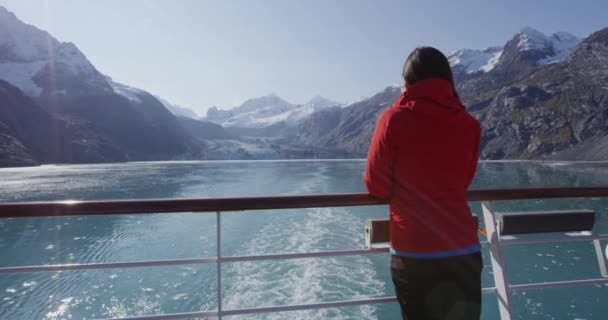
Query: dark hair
(427, 62)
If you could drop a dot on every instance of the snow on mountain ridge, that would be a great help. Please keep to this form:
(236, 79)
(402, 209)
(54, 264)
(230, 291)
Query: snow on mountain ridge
(26, 51)
(124, 90)
(134, 94)
(21, 75)
(532, 39)
(562, 43)
(555, 48)
(476, 60)
(557, 45)
(22, 42)
(73, 59)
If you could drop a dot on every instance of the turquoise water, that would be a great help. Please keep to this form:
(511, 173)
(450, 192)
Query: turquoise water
(145, 291)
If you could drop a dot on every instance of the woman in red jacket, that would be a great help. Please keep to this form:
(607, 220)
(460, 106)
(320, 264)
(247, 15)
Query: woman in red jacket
(423, 157)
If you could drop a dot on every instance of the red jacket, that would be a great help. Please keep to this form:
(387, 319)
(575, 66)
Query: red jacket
(423, 156)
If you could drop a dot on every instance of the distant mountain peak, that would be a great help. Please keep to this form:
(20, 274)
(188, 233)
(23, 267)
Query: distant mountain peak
(531, 39)
(528, 30)
(266, 111)
(22, 42)
(270, 100)
(545, 49)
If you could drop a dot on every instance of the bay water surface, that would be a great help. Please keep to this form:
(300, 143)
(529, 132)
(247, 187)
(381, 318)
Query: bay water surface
(95, 294)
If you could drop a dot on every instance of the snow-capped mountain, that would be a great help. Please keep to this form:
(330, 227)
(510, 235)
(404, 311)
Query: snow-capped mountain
(540, 48)
(29, 55)
(108, 121)
(267, 111)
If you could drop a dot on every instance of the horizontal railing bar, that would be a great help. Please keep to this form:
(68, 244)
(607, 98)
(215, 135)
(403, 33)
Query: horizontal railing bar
(177, 262)
(536, 193)
(109, 265)
(506, 241)
(558, 284)
(319, 254)
(299, 307)
(107, 207)
(232, 259)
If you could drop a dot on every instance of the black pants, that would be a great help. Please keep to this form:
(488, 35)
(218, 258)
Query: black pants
(445, 288)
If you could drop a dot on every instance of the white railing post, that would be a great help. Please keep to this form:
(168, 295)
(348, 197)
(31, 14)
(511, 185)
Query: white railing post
(218, 233)
(601, 259)
(499, 269)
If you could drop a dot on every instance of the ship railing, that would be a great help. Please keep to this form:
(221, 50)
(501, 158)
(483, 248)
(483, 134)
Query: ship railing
(495, 223)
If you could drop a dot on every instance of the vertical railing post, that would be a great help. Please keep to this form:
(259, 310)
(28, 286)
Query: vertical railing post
(218, 233)
(499, 269)
(601, 260)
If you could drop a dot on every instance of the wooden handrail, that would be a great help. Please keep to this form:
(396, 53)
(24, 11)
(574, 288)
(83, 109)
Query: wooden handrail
(143, 206)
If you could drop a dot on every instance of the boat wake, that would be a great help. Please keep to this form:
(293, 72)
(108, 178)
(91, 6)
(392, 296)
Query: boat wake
(301, 281)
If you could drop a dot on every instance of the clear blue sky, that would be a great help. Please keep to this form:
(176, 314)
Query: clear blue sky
(202, 53)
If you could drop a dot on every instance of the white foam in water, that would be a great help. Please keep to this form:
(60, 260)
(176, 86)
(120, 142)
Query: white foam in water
(61, 310)
(132, 307)
(298, 281)
(180, 296)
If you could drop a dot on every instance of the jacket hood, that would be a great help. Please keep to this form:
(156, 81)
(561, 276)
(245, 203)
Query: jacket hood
(436, 90)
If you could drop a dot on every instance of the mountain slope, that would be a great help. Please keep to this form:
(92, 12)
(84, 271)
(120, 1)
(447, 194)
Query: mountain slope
(58, 77)
(177, 110)
(29, 135)
(347, 130)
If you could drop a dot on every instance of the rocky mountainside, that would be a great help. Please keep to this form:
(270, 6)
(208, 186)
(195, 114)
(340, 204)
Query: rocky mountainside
(558, 112)
(345, 130)
(536, 97)
(30, 135)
